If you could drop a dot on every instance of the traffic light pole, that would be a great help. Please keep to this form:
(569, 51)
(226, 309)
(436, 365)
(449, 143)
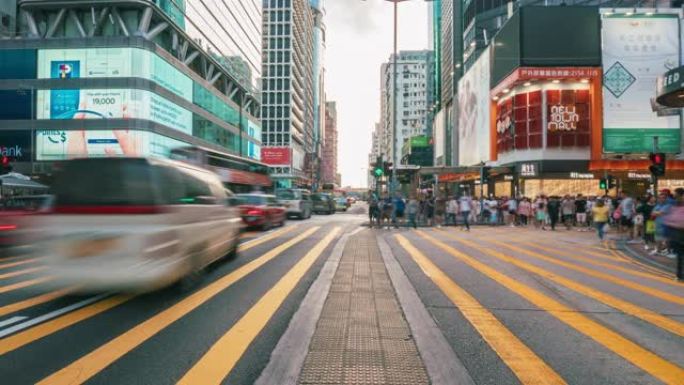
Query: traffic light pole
(653, 176)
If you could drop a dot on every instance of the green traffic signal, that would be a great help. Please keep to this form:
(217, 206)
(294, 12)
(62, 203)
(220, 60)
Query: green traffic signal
(378, 171)
(603, 184)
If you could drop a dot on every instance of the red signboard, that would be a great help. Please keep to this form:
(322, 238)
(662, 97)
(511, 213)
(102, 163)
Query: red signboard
(276, 156)
(547, 73)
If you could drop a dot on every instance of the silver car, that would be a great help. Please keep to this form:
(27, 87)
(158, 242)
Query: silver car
(297, 202)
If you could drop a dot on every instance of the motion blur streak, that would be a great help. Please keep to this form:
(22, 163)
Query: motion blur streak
(23, 284)
(18, 340)
(21, 272)
(215, 365)
(18, 263)
(89, 365)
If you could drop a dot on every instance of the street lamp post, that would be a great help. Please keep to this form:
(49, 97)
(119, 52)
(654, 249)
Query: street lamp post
(395, 74)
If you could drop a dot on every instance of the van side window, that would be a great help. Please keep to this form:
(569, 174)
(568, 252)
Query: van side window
(170, 185)
(194, 188)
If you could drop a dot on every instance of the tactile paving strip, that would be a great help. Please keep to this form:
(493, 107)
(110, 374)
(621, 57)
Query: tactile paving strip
(362, 336)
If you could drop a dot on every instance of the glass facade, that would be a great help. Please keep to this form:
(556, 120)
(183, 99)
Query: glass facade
(231, 31)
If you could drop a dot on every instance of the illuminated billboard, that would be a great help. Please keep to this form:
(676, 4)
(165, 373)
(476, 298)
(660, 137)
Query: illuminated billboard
(473, 110)
(52, 145)
(636, 50)
(113, 63)
(112, 104)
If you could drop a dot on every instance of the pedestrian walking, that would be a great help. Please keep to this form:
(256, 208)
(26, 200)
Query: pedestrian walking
(373, 210)
(524, 209)
(512, 207)
(452, 211)
(399, 207)
(412, 211)
(627, 211)
(466, 207)
(661, 209)
(581, 212)
(568, 211)
(553, 210)
(429, 210)
(600, 213)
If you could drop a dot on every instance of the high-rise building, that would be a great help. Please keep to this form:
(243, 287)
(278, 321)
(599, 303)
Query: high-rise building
(288, 108)
(131, 77)
(415, 97)
(317, 7)
(329, 153)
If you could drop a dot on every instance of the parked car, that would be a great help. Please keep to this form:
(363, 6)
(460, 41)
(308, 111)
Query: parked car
(341, 204)
(297, 202)
(261, 210)
(135, 223)
(323, 203)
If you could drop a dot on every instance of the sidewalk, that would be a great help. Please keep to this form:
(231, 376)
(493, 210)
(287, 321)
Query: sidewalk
(362, 336)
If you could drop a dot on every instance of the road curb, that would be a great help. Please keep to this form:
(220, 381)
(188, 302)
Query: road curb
(622, 247)
(287, 359)
(441, 363)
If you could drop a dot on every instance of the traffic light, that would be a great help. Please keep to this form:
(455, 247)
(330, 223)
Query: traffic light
(378, 169)
(484, 174)
(657, 167)
(603, 184)
(388, 168)
(6, 164)
(612, 182)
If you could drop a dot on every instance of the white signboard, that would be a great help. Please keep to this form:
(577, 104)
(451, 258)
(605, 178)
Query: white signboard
(473, 113)
(636, 50)
(112, 104)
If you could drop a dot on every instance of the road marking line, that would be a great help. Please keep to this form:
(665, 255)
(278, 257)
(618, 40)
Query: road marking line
(23, 284)
(12, 320)
(21, 272)
(20, 339)
(625, 270)
(615, 251)
(594, 254)
(51, 315)
(18, 263)
(89, 365)
(648, 361)
(618, 281)
(265, 238)
(21, 305)
(220, 359)
(626, 307)
(525, 364)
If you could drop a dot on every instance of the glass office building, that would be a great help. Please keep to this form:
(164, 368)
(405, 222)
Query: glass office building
(99, 78)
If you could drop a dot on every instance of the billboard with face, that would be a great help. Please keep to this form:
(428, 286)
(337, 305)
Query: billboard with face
(473, 113)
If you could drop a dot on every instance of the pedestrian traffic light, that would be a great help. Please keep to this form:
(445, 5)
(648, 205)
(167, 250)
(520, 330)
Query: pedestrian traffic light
(603, 184)
(484, 174)
(378, 169)
(657, 167)
(612, 182)
(388, 168)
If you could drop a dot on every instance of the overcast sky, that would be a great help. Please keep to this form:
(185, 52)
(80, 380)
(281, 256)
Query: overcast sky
(359, 39)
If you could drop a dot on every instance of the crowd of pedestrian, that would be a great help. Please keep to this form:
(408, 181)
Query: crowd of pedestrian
(655, 221)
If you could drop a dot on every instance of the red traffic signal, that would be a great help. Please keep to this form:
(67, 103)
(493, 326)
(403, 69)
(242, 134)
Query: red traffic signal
(5, 161)
(657, 167)
(657, 158)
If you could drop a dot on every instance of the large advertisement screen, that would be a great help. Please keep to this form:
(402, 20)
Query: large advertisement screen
(112, 104)
(636, 50)
(113, 63)
(52, 145)
(473, 113)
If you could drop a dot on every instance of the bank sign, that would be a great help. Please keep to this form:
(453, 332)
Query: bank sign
(16, 144)
(636, 50)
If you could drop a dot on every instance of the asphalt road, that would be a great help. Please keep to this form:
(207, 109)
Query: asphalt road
(517, 306)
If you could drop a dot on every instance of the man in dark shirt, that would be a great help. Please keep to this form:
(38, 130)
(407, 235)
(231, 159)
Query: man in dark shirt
(581, 211)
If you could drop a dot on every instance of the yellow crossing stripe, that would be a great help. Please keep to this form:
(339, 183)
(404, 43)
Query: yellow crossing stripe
(614, 302)
(37, 300)
(220, 359)
(583, 250)
(89, 365)
(18, 263)
(21, 272)
(18, 340)
(525, 364)
(651, 363)
(607, 277)
(629, 271)
(23, 284)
